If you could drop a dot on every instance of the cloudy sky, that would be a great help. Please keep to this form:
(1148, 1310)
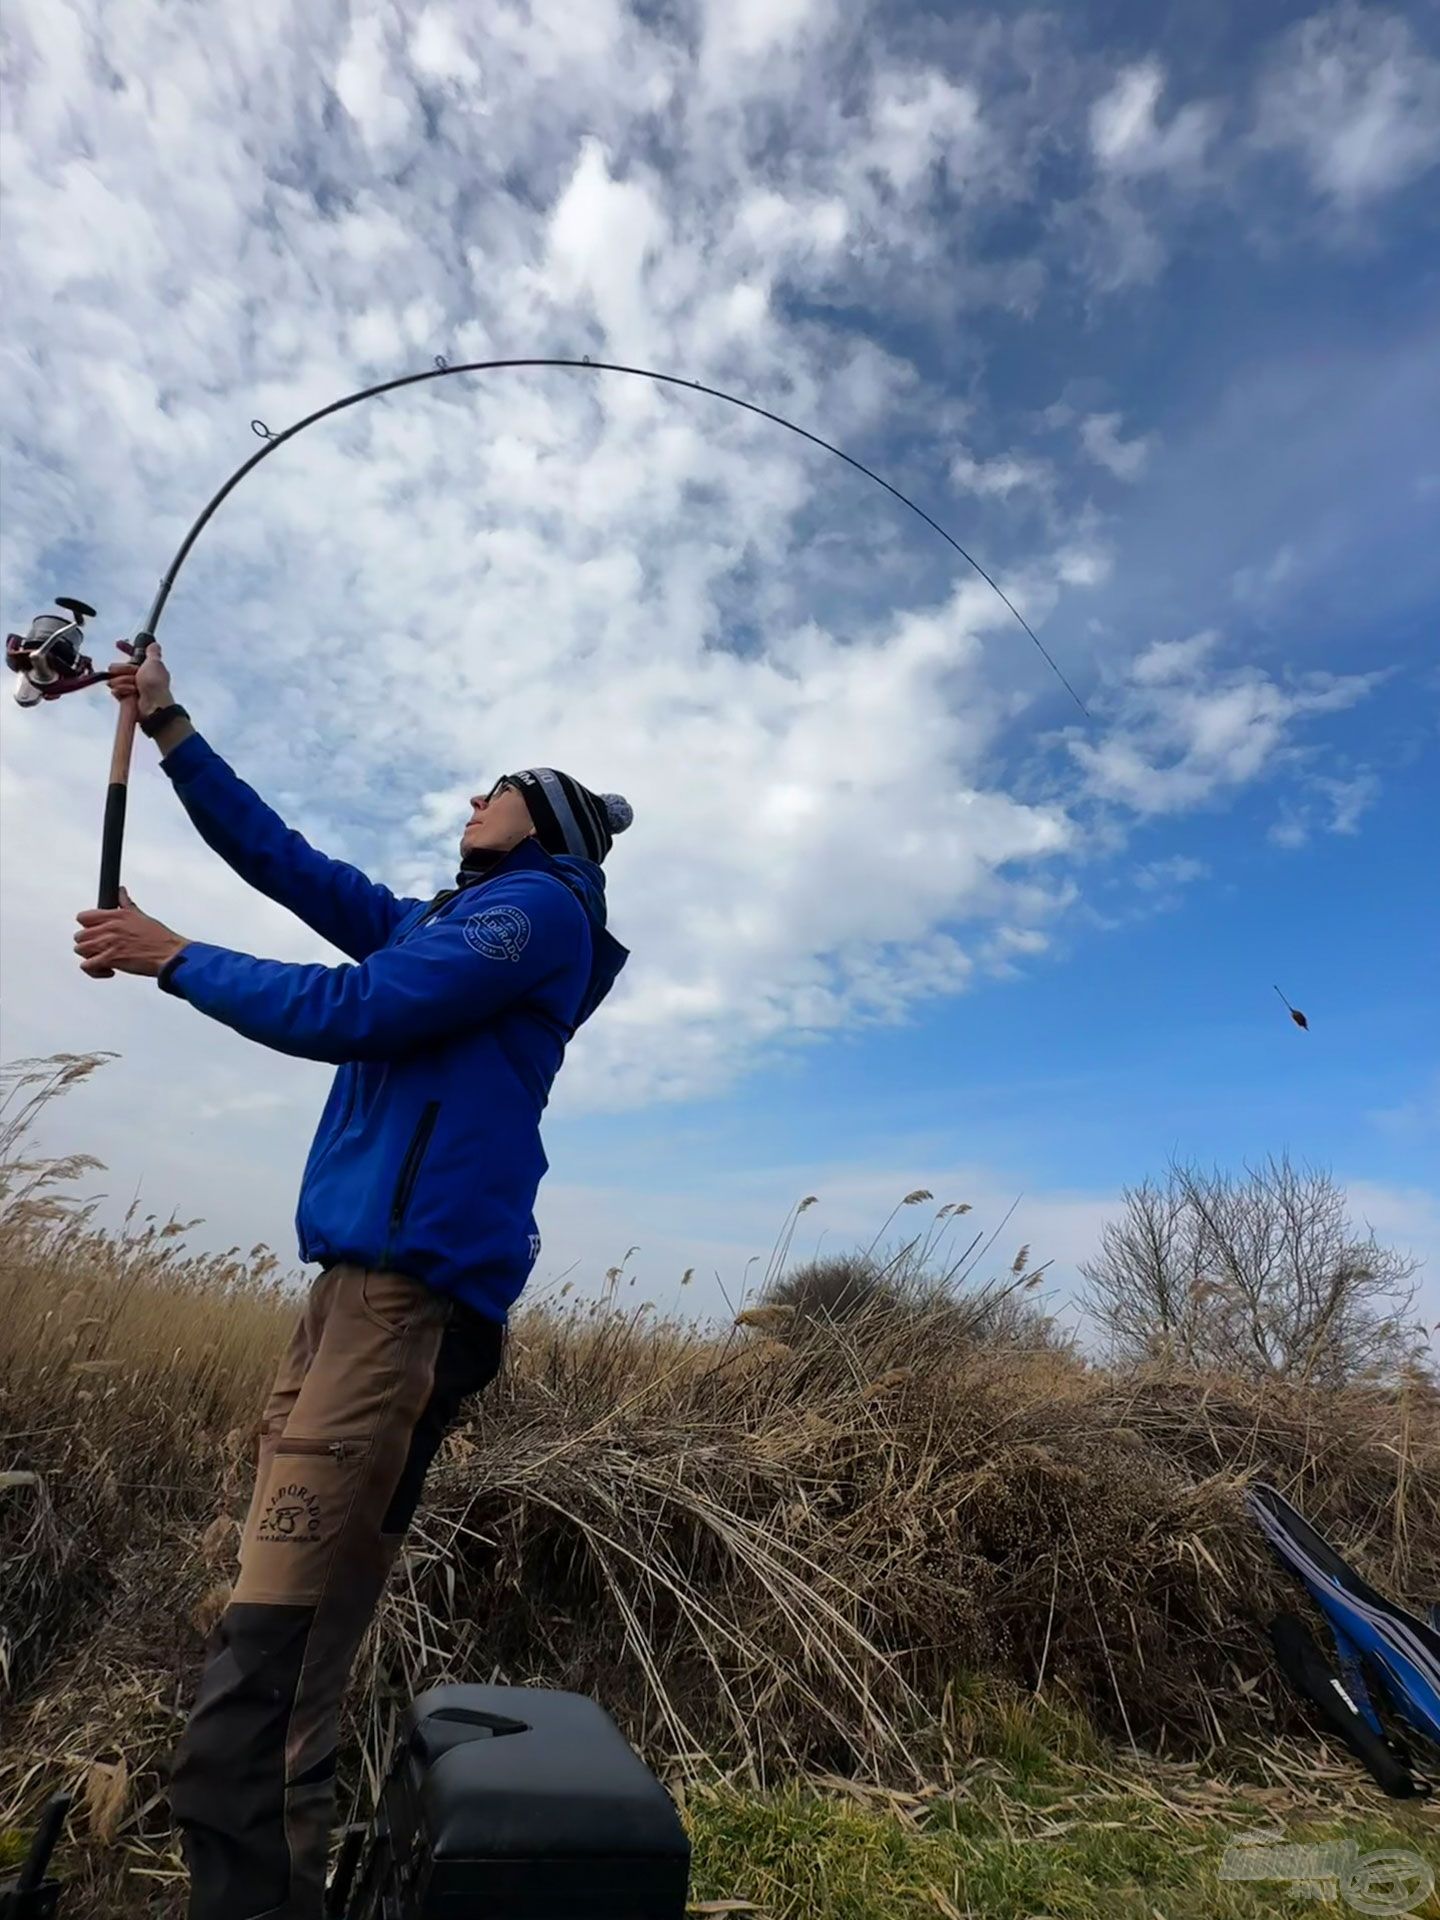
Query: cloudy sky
(1141, 302)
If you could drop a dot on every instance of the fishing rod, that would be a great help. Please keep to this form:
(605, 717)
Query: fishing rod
(49, 661)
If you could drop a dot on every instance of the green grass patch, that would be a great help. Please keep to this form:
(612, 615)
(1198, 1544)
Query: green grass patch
(803, 1855)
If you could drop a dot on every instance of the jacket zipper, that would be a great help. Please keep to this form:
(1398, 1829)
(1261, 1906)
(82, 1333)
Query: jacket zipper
(410, 1166)
(437, 905)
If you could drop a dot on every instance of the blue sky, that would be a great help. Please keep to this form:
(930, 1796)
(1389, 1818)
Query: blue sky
(1142, 303)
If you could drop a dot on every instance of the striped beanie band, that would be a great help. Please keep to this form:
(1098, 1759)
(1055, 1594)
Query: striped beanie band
(570, 818)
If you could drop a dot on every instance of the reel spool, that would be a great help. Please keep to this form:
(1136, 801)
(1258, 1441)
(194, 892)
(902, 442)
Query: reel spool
(48, 658)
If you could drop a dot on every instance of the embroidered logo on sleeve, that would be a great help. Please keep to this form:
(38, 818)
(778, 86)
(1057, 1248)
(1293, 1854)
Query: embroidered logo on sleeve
(500, 933)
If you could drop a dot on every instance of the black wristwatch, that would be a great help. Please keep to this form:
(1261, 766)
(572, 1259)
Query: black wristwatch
(161, 719)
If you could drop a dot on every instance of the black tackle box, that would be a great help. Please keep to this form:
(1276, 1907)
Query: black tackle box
(517, 1803)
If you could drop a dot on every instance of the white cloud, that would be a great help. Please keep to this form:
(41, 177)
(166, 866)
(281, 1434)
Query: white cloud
(754, 30)
(1326, 805)
(604, 236)
(777, 226)
(1353, 95)
(1291, 830)
(1000, 476)
(1102, 439)
(1259, 586)
(371, 87)
(920, 121)
(438, 51)
(258, 1101)
(1082, 563)
(1349, 800)
(824, 832)
(1188, 731)
(1407, 1218)
(1166, 660)
(1151, 171)
(1127, 138)
(549, 543)
(1416, 1119)
(1118, 241)
(1174, 871)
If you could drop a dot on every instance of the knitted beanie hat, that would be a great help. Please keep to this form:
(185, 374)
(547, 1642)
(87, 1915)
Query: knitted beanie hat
(570, 818)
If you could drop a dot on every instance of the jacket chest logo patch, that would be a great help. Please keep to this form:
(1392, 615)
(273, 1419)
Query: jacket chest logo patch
(499, 933)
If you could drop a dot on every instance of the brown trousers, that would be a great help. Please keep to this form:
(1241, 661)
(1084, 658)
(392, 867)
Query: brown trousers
(375, 1374)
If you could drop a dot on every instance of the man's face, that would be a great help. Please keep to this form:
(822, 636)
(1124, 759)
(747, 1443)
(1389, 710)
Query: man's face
(499, 821)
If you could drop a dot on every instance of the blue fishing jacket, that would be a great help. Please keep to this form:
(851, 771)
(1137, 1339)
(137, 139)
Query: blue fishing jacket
(448, 1032)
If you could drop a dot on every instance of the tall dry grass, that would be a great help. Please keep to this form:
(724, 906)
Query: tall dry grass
(777, 1548)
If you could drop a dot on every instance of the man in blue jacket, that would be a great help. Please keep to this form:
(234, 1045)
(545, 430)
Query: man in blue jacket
(417, 1201)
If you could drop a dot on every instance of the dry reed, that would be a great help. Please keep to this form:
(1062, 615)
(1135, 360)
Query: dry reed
(773, 1550)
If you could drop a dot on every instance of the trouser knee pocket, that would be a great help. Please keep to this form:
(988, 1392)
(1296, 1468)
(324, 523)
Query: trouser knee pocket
(298, 1518)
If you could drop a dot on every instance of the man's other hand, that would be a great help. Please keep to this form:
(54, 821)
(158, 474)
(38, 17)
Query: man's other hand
(123, 940)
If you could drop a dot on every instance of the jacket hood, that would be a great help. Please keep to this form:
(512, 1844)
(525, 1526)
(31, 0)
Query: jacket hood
(586, 880)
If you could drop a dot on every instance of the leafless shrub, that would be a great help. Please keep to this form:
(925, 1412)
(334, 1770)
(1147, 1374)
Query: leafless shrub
(1261, 1275)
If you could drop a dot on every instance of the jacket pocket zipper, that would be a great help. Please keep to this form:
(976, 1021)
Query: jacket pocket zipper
(410, 1165)
(347, 1113)
(352, 1093)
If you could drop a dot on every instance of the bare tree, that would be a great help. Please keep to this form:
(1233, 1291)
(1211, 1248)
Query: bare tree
(1262, 1274)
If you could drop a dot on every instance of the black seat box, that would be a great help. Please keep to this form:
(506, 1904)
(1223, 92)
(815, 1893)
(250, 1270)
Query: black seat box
(516, 1803)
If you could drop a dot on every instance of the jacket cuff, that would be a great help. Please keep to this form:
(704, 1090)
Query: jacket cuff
(182, 763)
(168, 979)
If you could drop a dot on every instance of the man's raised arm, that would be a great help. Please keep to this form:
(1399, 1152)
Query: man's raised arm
(344, 906)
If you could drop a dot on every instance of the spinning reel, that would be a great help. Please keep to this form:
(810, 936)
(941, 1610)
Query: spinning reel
(48, 657)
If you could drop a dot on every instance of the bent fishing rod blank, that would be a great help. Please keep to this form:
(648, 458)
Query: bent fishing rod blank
(50, 662)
